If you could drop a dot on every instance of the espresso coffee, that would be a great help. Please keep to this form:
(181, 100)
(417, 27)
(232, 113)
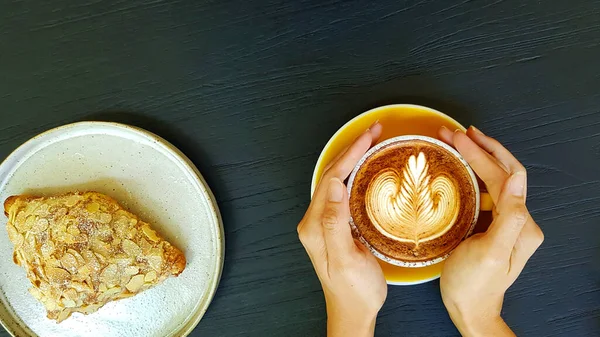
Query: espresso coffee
(412, 201)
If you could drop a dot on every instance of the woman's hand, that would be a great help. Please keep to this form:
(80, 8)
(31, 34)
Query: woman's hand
(481, 269)
(352, 280)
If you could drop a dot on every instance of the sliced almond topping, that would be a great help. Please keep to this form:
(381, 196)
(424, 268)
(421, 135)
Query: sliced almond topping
(61, 212)
(63, 315)
(42, 210)
(150, 233)
(132, 270)
(72, 200)
(36, 293)
(124, 279)
(68, 239)
(150, 276)
(104, 218)
(136, 283)
(52, 262)
(27, 224)
(47, 248)
(50, 304)
(39, 226)
(14, 236)
(112, 291)
(69, 262)
(100, 258)
(57, 275)
(68, 303)
(59, 232)
(81, 238)
(71, 294)
(92, 261)
(73, 230)
(116, 242)
(120, 226)
(130, 248)
(80, 259)
(81, 287)
(124, 260)
(104, 232)
(109, 275)
(100, 247)
(92, 207)
(146, 246)
(155, 262)
(155, 259)
(91, 308)
(125, 295)
(84, 271)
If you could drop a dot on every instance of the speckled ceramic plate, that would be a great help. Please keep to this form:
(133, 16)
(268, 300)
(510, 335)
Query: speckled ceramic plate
(151, 178)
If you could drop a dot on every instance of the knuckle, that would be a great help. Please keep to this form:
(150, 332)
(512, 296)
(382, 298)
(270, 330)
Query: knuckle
(520, 214)
(328, 172)
(330, 218)
(304, 236)
(538, 236)
(520, 168)
(299, 228)
(310, 243)
(335, 171)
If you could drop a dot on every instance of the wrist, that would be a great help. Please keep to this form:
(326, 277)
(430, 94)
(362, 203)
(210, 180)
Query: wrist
(339, 324)
(478, 326)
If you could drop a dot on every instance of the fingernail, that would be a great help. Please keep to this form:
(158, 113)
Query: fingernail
(372, 125)
(336, 190)
(457, 130)
(476, 130)
(444, 128)
(518, 182)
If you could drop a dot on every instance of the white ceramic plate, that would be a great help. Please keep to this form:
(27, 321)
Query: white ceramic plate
(149, 177)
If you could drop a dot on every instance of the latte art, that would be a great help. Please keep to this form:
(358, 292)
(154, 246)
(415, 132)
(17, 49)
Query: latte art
(412, 206)
(413, 199)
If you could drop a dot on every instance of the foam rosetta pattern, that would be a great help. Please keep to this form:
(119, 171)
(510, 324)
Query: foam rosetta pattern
(411, 205)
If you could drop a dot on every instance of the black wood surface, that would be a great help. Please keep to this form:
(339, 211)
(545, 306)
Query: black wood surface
(252, 90)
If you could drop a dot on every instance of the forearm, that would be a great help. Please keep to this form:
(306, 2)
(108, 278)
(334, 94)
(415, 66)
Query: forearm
(343, 327)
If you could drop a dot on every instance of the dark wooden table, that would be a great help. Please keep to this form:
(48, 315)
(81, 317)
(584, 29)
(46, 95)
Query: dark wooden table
(252, 90)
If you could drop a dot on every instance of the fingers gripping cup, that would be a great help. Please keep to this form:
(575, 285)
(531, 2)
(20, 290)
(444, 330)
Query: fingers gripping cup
(399, 120)
(413, 199)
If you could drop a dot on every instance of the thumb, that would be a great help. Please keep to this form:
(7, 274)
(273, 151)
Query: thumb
(512, 213)
(334, 219)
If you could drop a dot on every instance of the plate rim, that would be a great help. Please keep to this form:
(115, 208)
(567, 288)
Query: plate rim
(192, 320)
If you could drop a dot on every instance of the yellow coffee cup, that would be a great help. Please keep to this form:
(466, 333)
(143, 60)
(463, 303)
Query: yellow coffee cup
(397, 120)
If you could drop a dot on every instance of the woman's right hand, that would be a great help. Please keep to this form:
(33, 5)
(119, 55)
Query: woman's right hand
(481, 269)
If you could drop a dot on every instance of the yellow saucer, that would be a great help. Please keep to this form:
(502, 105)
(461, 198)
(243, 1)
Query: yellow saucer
(397, 120)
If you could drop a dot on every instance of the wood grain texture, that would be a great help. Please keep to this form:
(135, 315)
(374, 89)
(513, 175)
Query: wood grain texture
(252, 90)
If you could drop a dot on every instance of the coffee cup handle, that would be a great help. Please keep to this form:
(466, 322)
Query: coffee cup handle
(486, 203)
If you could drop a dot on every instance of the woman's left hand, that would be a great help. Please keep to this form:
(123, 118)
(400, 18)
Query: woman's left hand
(352, 280)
